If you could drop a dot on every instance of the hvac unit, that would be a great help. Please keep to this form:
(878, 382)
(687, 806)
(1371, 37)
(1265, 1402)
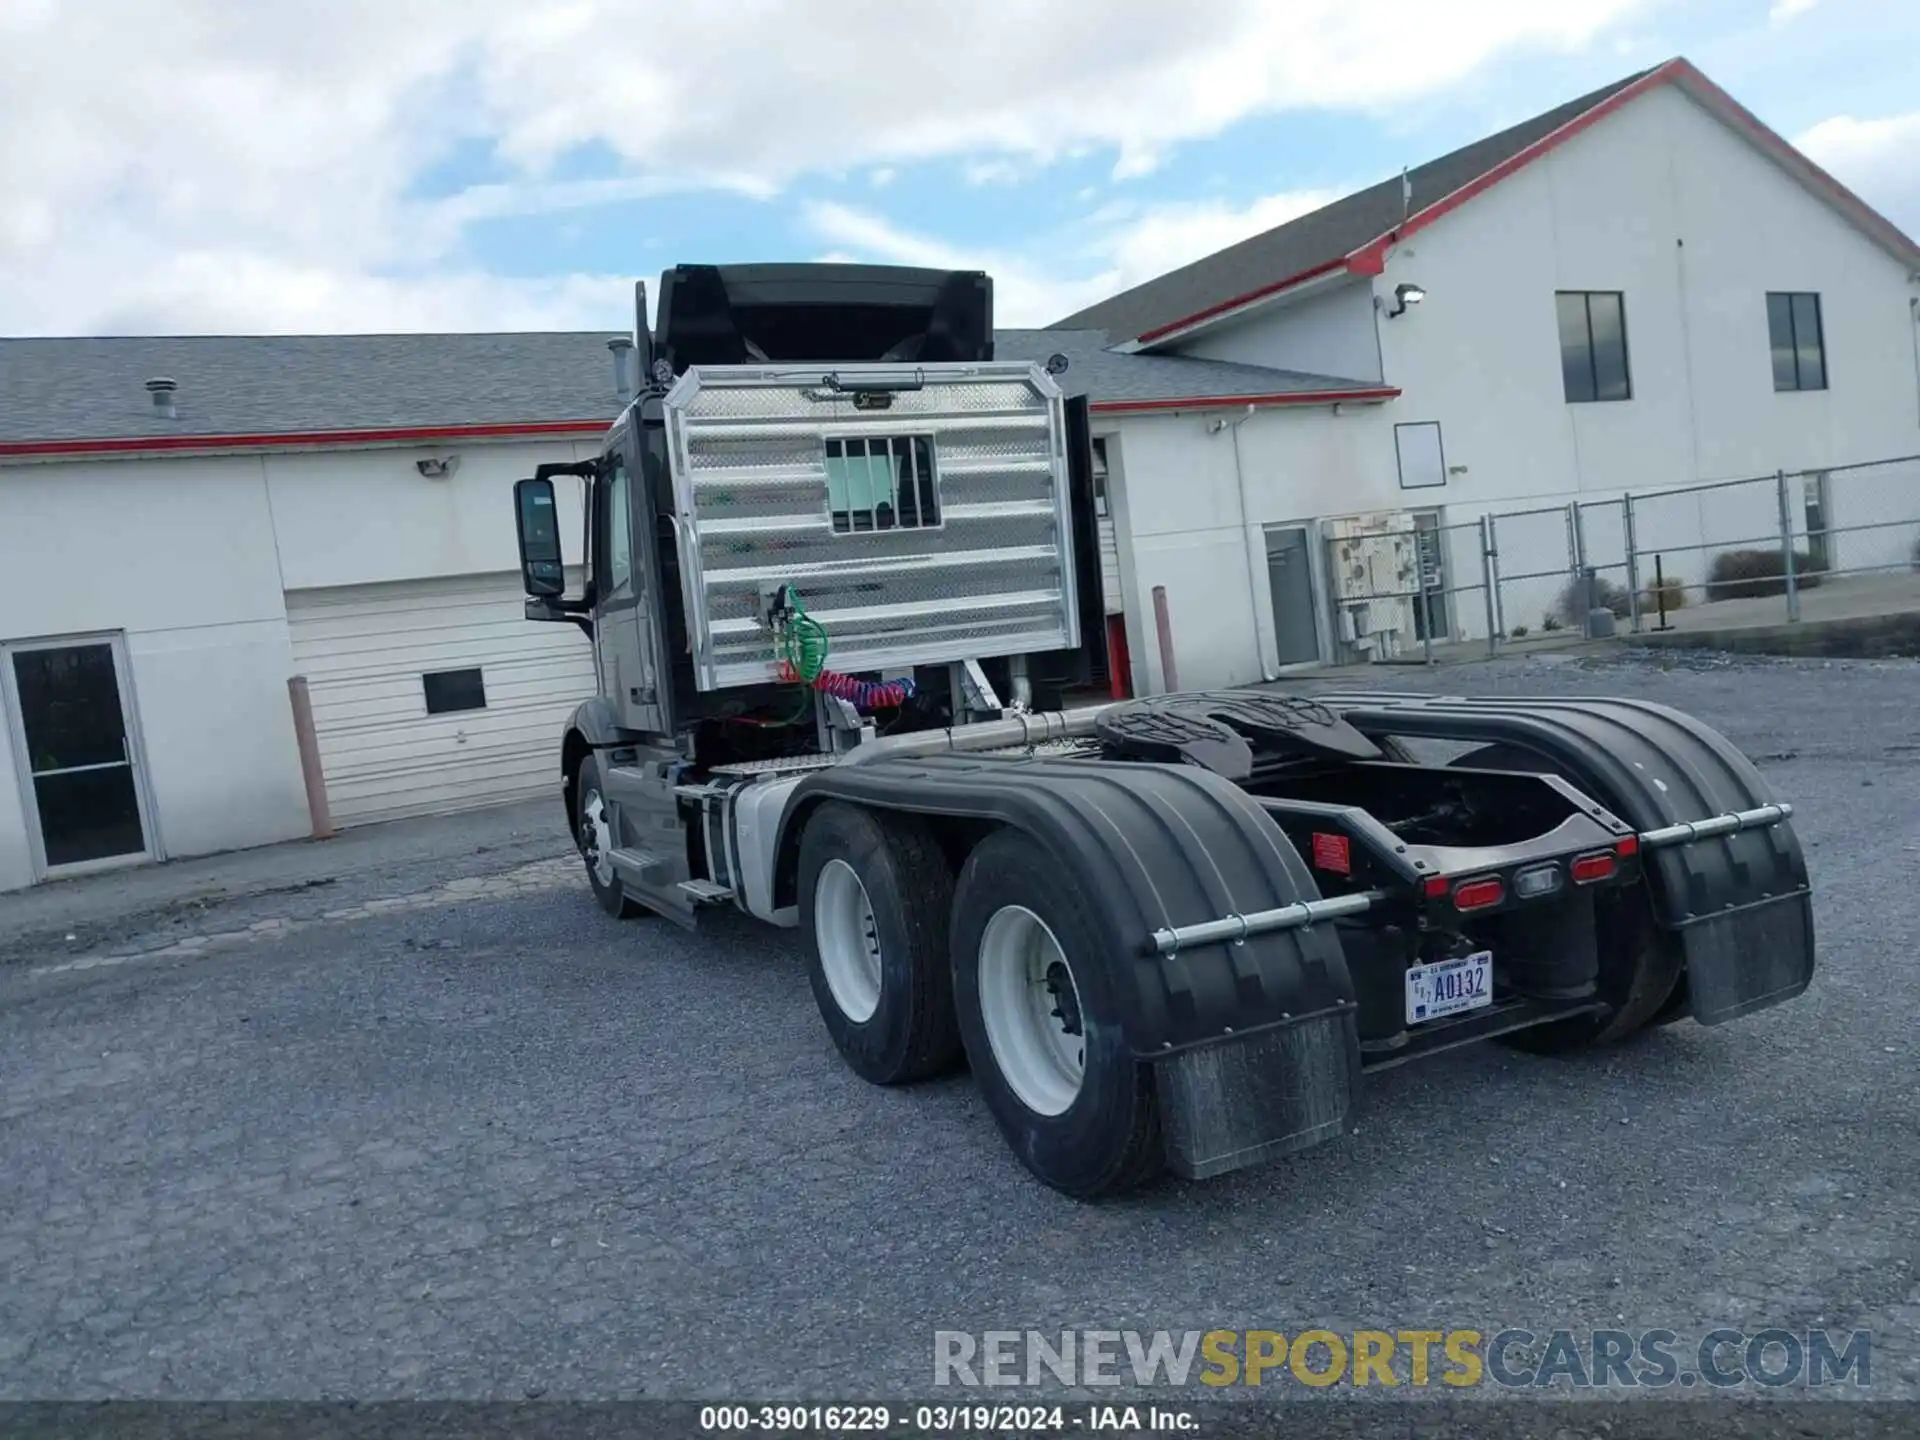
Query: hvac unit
(1375, 568)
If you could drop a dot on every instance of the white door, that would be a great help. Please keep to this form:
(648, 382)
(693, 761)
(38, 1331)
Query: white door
(435, 695)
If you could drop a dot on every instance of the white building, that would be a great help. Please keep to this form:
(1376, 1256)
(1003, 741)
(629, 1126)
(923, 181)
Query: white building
(1641, 289)
(334, 507)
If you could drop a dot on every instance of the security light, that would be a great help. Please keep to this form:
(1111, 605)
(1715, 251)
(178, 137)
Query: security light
(1405, 295)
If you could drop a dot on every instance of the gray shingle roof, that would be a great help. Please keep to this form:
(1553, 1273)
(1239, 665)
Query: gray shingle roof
(88, 389)
(94, 389)
(1108, 377)
(1318, 237)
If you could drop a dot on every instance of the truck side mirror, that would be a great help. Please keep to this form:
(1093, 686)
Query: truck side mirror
(542, 571)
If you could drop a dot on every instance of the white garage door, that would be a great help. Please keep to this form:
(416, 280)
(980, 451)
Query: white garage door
(435, 695)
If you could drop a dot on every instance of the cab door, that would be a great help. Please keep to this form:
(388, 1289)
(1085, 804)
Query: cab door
(626, 680)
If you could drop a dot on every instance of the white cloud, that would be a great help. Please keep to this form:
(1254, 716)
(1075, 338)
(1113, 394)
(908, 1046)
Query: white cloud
(1873, 158)
(238, 143)
(1785, 10)
(1122, 245)
(992, 172)
(1162, 238)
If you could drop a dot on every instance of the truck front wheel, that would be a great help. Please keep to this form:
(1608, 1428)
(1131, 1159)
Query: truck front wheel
(593, 835)
(875, 894)
(1034, 989)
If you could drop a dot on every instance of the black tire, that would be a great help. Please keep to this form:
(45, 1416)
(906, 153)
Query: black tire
(909, 1034)
(1108, 1140)
(591, 841)
(1640, 963)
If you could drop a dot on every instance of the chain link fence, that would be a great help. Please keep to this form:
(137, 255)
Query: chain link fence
(1648, 560)
(1774, 538)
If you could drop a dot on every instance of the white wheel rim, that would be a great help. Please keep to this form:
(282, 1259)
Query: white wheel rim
(1032, 1010)
(596, 837)
(849, 941)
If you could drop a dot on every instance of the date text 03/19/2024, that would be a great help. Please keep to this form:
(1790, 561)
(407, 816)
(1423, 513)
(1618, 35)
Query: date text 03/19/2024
(959, 1419)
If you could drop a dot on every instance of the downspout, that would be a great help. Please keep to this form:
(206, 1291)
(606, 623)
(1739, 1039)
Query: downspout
(1247, 542)
(1913, 314)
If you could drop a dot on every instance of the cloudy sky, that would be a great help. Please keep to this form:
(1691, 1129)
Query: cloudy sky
(341, 165)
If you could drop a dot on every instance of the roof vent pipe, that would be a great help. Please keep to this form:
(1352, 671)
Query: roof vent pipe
(161, 389)
(622, 349)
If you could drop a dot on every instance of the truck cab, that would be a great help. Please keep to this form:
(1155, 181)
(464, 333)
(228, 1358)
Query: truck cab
(823, 467)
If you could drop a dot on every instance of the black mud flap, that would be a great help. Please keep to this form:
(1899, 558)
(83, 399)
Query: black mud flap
(1243, 1101)
(1739, 904)
(1749, 959)
(1255, 1045)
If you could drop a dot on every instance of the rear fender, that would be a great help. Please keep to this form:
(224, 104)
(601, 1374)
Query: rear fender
(1255, 1044)
(1741, 904)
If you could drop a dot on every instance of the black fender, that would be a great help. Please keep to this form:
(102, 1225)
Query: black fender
(1256, 1044)
(1741, 904)
(594, 725)
(598, 723)
(1151, 846)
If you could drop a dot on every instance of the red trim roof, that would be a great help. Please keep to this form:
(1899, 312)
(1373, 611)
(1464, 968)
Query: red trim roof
(1339, 262)
(1233, 402)
(1370, 259)
(158, 444)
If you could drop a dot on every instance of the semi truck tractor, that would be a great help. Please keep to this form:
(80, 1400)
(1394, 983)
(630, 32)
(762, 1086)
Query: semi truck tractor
(842, 589)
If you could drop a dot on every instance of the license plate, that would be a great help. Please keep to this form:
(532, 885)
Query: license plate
(1449, 987)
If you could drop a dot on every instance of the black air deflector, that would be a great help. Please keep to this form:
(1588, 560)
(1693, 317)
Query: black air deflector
(748, 314)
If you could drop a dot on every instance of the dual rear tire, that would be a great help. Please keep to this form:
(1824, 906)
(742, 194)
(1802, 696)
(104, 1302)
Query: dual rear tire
(912, 968)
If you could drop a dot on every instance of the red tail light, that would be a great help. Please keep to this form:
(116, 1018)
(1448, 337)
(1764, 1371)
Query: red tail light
(1628, 846)
(1479, 894)
(1437, 886)
(1588, 868)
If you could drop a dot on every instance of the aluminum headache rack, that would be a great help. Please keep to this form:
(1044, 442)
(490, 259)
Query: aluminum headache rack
(1308, 912)
(920, 512)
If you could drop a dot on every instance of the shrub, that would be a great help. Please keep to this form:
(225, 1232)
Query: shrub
(1550, 622)
(1569, 610)
(1519, 632)
(1667, 594)
(1746, 574)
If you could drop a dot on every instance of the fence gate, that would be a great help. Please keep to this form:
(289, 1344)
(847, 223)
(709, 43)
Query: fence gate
(1534, 584)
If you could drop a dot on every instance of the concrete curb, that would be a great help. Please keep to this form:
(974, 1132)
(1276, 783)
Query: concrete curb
(1862, 637)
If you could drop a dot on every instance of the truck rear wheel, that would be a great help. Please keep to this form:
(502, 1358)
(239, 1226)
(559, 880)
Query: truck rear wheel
(593, 835)
(1640, 963)
(875, 896)
(1034, 991)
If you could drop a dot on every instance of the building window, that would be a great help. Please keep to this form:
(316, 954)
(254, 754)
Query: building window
(1423, 462)
(450, 690)
(1799, 351)
(1593, 344)
(882, 483)
(1100, 475)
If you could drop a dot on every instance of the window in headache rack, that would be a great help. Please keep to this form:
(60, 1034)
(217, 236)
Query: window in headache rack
(882, 483)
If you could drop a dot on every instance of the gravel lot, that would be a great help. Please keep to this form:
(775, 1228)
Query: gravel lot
(476, 1139)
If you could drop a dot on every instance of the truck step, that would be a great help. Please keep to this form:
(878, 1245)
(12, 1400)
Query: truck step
(706, 892)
